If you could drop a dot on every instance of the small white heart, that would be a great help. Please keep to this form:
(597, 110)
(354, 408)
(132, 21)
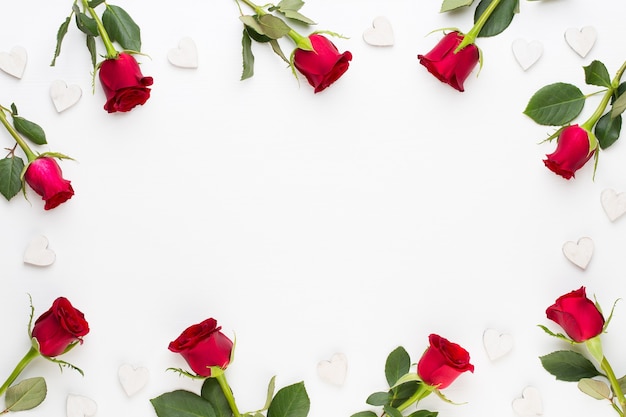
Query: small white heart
(380, 34)
(579, 253)
(581, 41)
(496, 344)
(14, 62)
(530, 404)
(133, 379)
(185, 56)
(38, 254)
(335, 370)
(526, 53)
(614, 204)
(64, 96)
(79, 406)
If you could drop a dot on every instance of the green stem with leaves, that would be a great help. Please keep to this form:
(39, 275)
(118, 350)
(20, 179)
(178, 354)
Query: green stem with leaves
(470, 37)
(617, 389)
(30, 355)
(228, 393)
(422, 392)
(111, 51)
(593, 119)
(3, 119)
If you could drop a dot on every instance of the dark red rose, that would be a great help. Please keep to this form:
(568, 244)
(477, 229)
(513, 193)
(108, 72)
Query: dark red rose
(572, 152)
(322, 66)
(59, 328)
(443, 362)
(449, 67)
(124, 85)
(45, 177)
(577, 315)
(203, 345)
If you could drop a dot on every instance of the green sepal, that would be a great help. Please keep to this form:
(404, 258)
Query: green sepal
(555, 104)
(86, 24)
(595, 389)
(56, 155)
(181, 403)
(597, 74)
(91, 47)
(122, 28)
(277, 50)
(25, 395)
(63, 364)
(11, 169)
(290, 401)
(188, 374)
(212, 392)
(594, 346)
(445, 399)
(397, 365)
(272, 26)
(246, 55)
(60, 36)
(568, 365)
(499, 20)
(608, 320)
(448, 5)
(29, 129)
(557, 335)
(271, 387)
(607, 130)
(378, 399)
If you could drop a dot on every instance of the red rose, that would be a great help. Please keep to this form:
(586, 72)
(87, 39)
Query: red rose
(322, 66)
(572, 152)
(44, 176)
(577, 315)
(443, 362)
(203, 345)
(124, 85)
(449, 67)
(59, 328)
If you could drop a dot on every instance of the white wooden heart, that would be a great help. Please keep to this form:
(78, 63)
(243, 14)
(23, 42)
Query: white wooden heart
(133, 379)
(529, 404)
(185, 56)
(335, 370)
(526, 53)
(80, 406)
(579, 253)
(14, 62)
(581, 41)
(37, 252)
(64, 96)
(614, 204)
(380, 34)
(497, 344)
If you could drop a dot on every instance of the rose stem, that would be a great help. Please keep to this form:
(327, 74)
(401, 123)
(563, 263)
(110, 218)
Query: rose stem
(29, 153)
(471, 36)
(228, 393)
(606, 367)
(588, 125)
(32, 354)
(111, 51)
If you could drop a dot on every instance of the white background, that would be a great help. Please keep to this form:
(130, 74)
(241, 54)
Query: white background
(368, 216)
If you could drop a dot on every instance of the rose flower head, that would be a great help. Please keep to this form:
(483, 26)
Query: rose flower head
(60, 328)
(203, 346)
(577, 315)
(449, 66)
(442, 362)
(44, 176)
(123, 83)
(324, 64)
(573, 150)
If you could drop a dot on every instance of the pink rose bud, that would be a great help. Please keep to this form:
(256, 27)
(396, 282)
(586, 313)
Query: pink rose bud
(443, 362)
(123, 84)
(572, 152)
(203, 346)
(59, 328)
(449, 67)
(322, 66)
(44, 176)
(577, 315)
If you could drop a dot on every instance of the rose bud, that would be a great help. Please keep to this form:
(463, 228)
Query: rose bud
(442, 362)
(450, 67)
(123, 84)
(577, 315)
(572, 152)
(44, 176)
(60, 328)
(322, 66)
(203, 346)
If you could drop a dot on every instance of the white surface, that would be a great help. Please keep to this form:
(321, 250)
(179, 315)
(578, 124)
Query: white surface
(385, 208)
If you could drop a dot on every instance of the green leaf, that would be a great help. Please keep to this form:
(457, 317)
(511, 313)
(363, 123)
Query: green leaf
(364, 414)
(86, 24)
(212, 392)
(392, 412)
(182, 403)
(248, 57)
(11, 176)
(294, 5)
(31, 130)
(597, 74)
(448, 5)
(619, 105)
(91, 47)
(403, 392)
(290, 401)
(95, 3)
(273, 27)
(122, 28)
(595, 389)
(567, 365)
(607, 130)
(397, 364)
(293, 15)
(26, 395)
(555, 104)
(424, 413)
(379, 399)
(60, 35)
(270, 393)
(499, 20)
(251, 22)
